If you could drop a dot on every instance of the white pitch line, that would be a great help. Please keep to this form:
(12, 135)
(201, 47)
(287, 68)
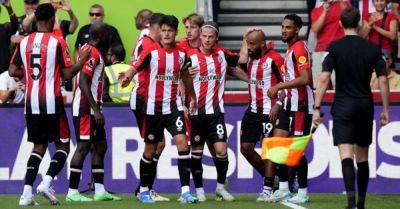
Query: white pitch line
(291, 205)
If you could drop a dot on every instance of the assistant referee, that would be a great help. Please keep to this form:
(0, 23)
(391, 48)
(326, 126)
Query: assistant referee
(353, 59)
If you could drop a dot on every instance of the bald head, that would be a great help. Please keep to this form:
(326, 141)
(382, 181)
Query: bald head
(99, 32)
(256, 43)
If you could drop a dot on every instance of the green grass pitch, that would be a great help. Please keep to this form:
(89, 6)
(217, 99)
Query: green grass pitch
(318, 201)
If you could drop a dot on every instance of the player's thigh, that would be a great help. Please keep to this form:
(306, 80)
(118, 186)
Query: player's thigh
(251, 128)
(37, 129)
(283, 125)
(175, 125)
(344, 127)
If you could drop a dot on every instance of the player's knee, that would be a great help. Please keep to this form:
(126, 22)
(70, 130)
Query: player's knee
(82, 148)
(63, 146)
(40, 148)
(246, 149)
(160, 147)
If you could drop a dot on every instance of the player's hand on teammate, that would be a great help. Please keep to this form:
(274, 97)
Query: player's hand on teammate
(273, 92)
(273, 115)
(192, 105)
(384, 117)
(99, 118)
(193, 71)
(125, 78)
(84, 54)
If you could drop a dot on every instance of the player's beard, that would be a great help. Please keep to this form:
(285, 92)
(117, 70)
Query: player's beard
(256, 54)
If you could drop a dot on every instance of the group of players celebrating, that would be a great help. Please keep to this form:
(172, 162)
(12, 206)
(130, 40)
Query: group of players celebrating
(179, 87)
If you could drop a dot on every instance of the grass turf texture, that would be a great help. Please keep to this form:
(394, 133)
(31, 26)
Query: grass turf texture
(318, 201)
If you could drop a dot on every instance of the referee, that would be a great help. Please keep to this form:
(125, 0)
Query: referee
(353, 59)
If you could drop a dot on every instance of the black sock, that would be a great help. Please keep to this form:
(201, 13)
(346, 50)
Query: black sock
(221, 163)
(75, 176)
(98, 173)
(196, 167)
(362, 183)
(184, 167)
(57, 163)
(32, 168)
(154, 170)
(302, 173)
(269, 182)
(145, 171)
(348, 177)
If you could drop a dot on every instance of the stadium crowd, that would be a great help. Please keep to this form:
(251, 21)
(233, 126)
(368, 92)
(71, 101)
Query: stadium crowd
(179, 85)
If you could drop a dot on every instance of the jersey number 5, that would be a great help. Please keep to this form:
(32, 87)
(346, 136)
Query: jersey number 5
(36, 67)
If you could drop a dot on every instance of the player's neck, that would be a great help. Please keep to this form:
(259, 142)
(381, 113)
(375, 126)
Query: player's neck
(351, 32)
(194, 43)
(168, 46)
(152, 36)
(294, 40)
(206, 51)
(44, 29)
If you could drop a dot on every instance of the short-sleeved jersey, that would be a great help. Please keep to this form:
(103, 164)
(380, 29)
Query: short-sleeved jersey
(374, 36)
(43, 56)
(354, 59)
(263, 73)
(162, 69)
(139, 92)
(209, 83)
(94, 69)
(297, 59)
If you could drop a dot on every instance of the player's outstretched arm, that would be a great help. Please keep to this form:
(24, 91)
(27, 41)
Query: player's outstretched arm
(84, 86)
(69, 73)
(302, 80)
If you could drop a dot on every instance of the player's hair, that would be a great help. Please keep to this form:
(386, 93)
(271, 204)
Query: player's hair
(171, 21)
(44, 12)
(295, 18)
(350, 18)
(142, 18)
(156, 19)
(194, 18)
(97, 6)
(118, 51)
(212, 25)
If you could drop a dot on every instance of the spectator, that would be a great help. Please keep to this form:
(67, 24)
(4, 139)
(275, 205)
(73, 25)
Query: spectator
(112, 89)
(11, 89)
(325, 24)
(380, 27)
(393, 77)
(142, 22)
(30, 7)
(61, 28)
(6, 31)
(96, 14)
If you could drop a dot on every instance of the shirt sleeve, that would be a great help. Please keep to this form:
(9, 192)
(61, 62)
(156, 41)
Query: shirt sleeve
(329, 62)
(278, 66)
(3, 81)
(63, 54)
(143, 61)
(231, 58)
(302, 59)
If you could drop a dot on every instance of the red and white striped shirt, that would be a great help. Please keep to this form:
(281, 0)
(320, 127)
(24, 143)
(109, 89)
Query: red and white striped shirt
(209, 83)
(43, 56)
(139, 91)
(263, 74)
(94, 69)
(297, 59)
(163, 68)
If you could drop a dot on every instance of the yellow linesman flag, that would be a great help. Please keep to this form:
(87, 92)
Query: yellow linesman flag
(285, 150)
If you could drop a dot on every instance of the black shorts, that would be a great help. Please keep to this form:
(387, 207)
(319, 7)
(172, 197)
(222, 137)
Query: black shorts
(43, 129)
(352, 121)
(254, 127)
(86, 129)
(154, 125)
(207, 127)
(296, 123)
(140, 119)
